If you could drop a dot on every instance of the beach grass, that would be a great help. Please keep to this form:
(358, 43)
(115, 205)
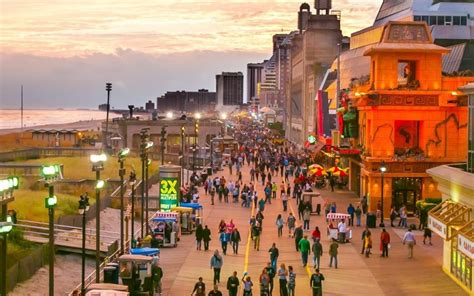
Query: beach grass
(29, 205)
(79, 168)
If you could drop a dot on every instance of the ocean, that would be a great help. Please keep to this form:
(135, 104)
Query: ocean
(12, 118)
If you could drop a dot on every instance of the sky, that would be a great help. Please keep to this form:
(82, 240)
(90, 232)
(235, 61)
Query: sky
(64, 51)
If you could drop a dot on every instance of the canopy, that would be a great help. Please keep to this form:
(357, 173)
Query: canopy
(191, 205)
(164, 219)
(131, 257)
(337, 216)
(337, 171)
(145, 251)
(165, 215)
(181, 209)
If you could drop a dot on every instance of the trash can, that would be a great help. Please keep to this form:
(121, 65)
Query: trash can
(116, 271)
(318, 209)
(109, 273)
(209, 171)
(371, 220)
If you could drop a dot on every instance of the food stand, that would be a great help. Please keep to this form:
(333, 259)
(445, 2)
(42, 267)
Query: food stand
(197, 208)
(333, 233)
(186, 222)
(99, 289)
(315, 200)
(135, 272)
(165, 228)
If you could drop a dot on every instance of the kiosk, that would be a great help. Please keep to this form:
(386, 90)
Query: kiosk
(185, 218)
(333, 232)
(135, 272)
(165, 228)
(99, 289)
(314, 199)
(196, 215)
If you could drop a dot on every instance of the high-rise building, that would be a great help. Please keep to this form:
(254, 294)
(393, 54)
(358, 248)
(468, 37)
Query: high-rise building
(230, 89)
(187, 101)
(312, 52)
(254, 77)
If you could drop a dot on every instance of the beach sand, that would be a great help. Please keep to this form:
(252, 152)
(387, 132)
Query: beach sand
(79, 125)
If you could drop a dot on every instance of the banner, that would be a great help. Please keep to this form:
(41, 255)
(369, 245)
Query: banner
(169, 189)
(437, 227)
(466, 246)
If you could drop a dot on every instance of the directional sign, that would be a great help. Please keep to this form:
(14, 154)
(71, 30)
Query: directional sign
(169, 188)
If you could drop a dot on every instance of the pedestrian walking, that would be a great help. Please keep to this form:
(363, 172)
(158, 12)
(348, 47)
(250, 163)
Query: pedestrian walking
(274, 253)
(317, 249)
(235, 240)
(199, 288)
(264, 280)
(316, 234)
(410, 241)
(282, 277)
(274, 190)
(206, 237)
(358, 214)
(284, 200)
(305, 248)
(291, 281)
(256, 231)
(316, 283)
(199, 236)
(364, 233)
(215, 291)
(271, 273)
(393, 215)
(351, 212)
(223, 238)
(279, 223)
(403, 217)
(233, 284)
(216, 265)
(157, 275)
(248, 284)
(333, 253)
(306, 217)
(212, 193)
(368, 243)
(301, 208)
(298, 236)
(384, 242)
(291, 222)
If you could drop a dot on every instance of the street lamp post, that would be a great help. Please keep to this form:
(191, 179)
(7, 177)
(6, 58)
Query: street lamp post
(163, 143)
(132, 181)
(97, 161)
(108, 88)
(83, 209)
(147, 165)
(383, 169)
(6, 195)
(196, 131)
(181, 161)
(50, 174)
(145, 146)
(121, 158)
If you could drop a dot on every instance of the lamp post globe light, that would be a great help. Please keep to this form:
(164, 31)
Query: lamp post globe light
(83, 209)
(50, 174)
(97, 161)
(121, 158)
(169, 115)
(382, 169)
(6, 225)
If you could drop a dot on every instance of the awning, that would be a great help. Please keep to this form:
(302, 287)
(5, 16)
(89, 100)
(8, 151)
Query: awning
(466, 239)
(448, 217)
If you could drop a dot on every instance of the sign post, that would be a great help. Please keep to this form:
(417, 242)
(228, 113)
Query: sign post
(170, 176)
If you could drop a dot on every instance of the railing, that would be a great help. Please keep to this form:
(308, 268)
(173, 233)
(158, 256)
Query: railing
(91, 278)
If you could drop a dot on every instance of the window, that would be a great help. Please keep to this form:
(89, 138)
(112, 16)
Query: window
(432, 20)
(463, 21)
(448, 20)
(407, 74)
(440, 21)
(456, 20)
(425, 19)
(417, 18)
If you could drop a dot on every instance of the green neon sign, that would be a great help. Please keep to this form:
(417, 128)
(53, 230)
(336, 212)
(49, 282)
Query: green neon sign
(169, 189)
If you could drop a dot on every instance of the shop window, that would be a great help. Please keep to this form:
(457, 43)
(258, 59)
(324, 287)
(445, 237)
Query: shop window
(432, 20)
(461, 265)
(417, 18)
(448, 20)
(463, 21)
(440, 20)
(424, 18)
(407, 75)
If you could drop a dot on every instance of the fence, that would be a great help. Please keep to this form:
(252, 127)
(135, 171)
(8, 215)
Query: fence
(45, 152)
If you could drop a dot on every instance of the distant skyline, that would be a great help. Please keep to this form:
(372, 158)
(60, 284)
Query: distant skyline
(63, 52)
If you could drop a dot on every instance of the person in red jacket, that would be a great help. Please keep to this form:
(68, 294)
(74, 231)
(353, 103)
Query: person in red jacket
(316, 235)
(384, 242)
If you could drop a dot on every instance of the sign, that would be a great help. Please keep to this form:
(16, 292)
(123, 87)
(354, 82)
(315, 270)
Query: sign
(466, 246)
(437, 227)
(169, 189)
(349, 151)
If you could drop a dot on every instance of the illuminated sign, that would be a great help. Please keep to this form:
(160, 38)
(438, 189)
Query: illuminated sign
(466, 246)
(437, 227)
(169, 188)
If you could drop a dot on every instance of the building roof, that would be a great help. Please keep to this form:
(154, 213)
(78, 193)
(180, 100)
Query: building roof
(452, 61)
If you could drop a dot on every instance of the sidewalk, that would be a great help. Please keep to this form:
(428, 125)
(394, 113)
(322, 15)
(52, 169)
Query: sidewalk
(356, 274)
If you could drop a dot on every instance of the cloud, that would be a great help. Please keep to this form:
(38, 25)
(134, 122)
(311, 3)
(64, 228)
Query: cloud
(79, 81)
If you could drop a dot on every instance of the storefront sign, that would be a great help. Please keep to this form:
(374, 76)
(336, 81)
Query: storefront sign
(169, 188)
(437, 227)
(466, 246)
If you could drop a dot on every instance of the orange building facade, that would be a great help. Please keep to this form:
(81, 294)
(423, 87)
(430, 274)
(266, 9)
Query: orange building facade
(410, 117)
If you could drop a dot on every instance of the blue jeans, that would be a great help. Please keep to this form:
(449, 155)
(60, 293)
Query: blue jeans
(304, 257)
(274, 263)
(335, 261)
(358, 221)
(316, 260)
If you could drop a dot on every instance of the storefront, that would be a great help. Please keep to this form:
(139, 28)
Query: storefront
(453, 222)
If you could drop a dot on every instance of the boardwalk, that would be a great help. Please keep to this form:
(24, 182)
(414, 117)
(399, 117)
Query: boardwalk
(356, 275)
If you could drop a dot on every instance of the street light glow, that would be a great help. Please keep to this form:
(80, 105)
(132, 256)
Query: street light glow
(223, 115)
(198, 115)
(149, 144)
(95, 158)
(100, 184)
(169, 115)
(124, 152)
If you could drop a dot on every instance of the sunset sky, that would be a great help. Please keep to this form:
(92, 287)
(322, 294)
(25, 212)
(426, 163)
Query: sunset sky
(65, 50)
